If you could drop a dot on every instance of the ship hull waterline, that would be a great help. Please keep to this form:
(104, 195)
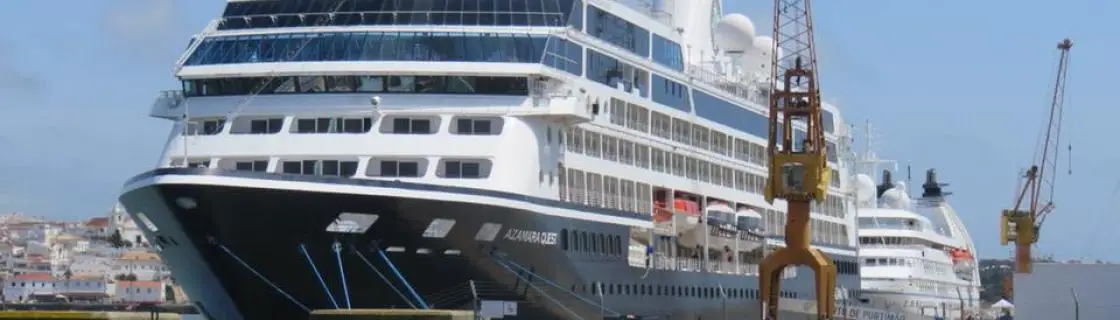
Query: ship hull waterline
(256, 246)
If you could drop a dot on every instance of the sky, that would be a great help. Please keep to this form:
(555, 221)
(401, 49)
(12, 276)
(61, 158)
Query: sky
(960, 86)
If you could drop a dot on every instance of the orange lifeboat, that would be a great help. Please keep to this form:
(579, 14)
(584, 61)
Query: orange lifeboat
(680, 206)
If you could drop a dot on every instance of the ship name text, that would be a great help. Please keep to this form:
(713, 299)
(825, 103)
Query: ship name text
(534, 237)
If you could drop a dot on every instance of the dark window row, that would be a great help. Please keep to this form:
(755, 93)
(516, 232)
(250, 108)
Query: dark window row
(564, 55)
(703, 292)
(667, 53)
(321, 167)
(670, 93)
(370, 46)
(362, 84)
(611, 72)
(256, 166)
(276, 14)
(591, 242)
(731, 115)
(617, 31)
(334, 125)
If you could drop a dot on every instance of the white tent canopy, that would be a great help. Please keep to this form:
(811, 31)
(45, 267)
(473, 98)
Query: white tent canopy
(1003, 304)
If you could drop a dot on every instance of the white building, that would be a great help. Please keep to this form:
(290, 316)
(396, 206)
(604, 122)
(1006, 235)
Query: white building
(120, 221)
(93, 264)
(145, 265)
(83, 287)
(138, 291)
(22, 287)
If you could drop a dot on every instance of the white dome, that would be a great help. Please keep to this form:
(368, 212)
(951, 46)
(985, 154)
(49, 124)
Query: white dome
(895, 198)
(763, 44)
(748, 213)
(865, 188)
(719, 206)
(735, 32)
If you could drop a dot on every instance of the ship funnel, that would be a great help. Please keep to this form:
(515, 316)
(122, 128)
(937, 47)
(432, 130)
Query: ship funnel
(931, 188)
(886, 184)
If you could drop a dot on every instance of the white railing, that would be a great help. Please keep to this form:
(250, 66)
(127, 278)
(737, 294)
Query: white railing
(741, 87)
(643, 7)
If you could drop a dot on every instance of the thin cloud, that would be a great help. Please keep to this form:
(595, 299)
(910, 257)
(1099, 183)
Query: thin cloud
(13, 79)
(145, 27)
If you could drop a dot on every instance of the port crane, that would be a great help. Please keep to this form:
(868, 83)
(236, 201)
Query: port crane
(798, 170)
(1021, 223)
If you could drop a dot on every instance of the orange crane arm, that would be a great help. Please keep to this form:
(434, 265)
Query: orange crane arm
(1021, 223)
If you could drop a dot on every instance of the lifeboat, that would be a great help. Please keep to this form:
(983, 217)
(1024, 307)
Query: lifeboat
(963, 263)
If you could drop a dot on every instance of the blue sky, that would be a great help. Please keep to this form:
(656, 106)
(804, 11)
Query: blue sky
(961, 86)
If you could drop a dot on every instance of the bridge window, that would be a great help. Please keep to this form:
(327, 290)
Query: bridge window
(617, 31)
(357, 84)
(276, 14)
(667, 53)
(372, 46)
(616, 74)
(564, 55)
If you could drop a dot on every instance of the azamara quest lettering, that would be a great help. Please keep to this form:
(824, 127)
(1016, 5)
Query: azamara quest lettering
(534, 237)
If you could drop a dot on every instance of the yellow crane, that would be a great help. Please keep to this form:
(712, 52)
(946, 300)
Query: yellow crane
(1021, 224)
(798, 169)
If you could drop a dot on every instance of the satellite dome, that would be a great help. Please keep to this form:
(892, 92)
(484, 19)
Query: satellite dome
(735, 32)
(891, 199)
(865, 188)
(763, 43)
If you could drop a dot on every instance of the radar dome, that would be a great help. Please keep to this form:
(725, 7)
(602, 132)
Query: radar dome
(763, 43)
(865, 188)
(892, 199)
(735, 32)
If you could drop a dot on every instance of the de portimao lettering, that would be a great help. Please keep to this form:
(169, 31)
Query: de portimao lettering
(534, 237)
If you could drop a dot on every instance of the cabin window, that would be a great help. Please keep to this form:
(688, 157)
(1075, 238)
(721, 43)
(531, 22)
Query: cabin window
(333, 125)
(265, 126)
(402, 169)
(257, 166)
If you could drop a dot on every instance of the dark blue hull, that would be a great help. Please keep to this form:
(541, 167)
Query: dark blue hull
(238, 248)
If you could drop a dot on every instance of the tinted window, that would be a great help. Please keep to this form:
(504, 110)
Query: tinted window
(373, 46)
(731, 115)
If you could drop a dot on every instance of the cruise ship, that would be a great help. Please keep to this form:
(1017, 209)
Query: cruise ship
(916, 255)
(561, 159)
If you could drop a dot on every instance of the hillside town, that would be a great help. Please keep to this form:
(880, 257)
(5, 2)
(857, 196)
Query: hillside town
(102, 260)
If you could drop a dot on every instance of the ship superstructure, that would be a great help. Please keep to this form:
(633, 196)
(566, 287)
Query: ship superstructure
(916, 255)
(578, 158)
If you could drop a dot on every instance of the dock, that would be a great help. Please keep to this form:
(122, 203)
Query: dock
(353, 314)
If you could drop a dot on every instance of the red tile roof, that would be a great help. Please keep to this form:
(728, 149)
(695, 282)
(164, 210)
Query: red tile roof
(35, 277)
(98, 222)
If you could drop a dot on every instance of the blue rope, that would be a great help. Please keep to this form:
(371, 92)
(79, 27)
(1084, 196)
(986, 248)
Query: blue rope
(337, 247)
(303, 249)
(538, 289)
(553, 284)
(403, 280)
(274, 287)
(386, 279)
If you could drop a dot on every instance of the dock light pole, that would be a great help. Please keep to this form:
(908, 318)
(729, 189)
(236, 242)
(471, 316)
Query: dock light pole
(1076, 305)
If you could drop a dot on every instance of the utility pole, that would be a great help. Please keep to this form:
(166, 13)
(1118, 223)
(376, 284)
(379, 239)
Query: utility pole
(1076, 305)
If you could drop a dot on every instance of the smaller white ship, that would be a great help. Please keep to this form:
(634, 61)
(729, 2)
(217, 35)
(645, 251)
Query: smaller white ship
(916, 255)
